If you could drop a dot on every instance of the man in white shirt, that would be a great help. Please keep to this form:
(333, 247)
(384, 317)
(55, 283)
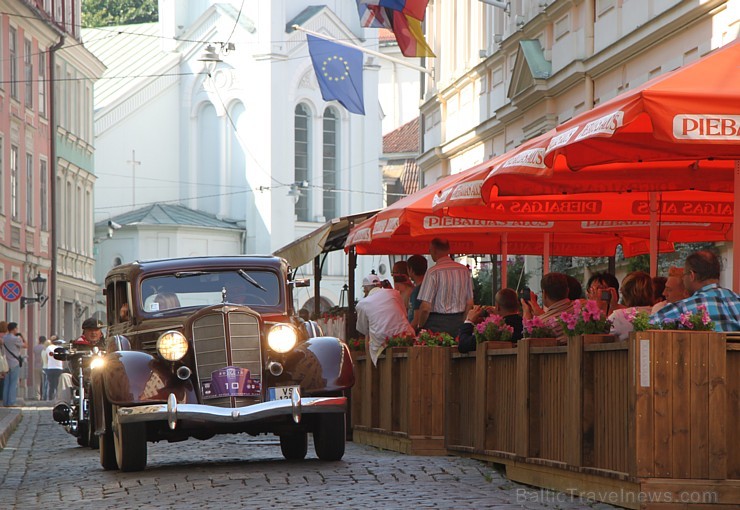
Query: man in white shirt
(54, 369)
(379, 316)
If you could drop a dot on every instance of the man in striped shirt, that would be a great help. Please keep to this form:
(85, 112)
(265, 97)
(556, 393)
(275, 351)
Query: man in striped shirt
(446, 294)
(701, 280)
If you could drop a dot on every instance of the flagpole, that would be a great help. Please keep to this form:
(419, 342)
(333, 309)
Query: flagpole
(364, 50)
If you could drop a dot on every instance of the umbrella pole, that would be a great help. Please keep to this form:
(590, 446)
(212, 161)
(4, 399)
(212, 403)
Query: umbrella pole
(504, 261)
(546, 255)
(653, 235)
(736, 233)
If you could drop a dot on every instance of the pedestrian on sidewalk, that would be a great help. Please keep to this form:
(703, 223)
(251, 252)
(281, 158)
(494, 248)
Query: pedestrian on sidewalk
(38, 365)
(13, 343)
(3, 331)
(54, 368)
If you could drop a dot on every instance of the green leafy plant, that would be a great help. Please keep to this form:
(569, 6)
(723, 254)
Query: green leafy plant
(493, 328)
(586, 319)
(429, 339)
(538, 328)
(693, 321)
(400, 341)
(640, 320)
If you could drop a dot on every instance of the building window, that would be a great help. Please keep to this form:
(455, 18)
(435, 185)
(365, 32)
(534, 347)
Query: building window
(13, 63)
(330, 164)
(42, 83)
(14, 182)
(29, 189)
(28, 66)
(44, 195)
(302, 157)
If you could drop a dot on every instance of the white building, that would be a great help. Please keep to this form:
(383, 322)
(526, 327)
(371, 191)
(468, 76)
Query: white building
(247, 139)
(503, 76)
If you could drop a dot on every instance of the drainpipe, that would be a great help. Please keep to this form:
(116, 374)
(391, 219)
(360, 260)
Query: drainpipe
(53, 186)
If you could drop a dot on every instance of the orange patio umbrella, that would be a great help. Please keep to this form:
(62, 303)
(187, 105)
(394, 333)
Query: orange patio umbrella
(680, 131)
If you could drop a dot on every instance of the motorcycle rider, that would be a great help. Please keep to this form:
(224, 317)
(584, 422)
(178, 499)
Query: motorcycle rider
(92, 336)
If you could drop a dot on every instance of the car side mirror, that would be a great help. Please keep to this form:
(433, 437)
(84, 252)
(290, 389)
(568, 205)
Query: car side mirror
(61, 354)
(304, 282)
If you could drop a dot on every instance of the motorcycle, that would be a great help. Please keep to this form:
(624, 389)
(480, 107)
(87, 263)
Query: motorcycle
(76, 415)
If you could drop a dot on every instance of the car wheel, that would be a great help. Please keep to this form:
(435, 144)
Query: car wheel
(294, 446)
(129, 440)
(107, 446)
(329, 436)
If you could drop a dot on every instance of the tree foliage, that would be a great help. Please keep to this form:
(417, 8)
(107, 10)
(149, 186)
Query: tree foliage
(102, 13)
(482, 287)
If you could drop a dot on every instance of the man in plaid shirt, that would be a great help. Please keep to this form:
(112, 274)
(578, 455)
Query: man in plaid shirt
(701, 279)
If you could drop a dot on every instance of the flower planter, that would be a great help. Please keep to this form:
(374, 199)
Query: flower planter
(493, 344)
(411, 401)
(542, 342)
(598, 339)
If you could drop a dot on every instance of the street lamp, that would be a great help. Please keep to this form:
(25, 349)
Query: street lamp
(210, 59)
(39, 285)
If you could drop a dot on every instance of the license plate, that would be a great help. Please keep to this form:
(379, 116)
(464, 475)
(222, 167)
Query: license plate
(282, 392)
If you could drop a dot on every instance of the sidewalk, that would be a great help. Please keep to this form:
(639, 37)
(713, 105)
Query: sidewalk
(10, 417)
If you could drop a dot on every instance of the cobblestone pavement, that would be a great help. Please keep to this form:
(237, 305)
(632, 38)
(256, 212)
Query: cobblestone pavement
(42, 467)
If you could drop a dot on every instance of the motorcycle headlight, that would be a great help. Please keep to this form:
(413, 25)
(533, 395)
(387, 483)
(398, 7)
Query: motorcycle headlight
(172, 345)
(97, 362)
(282, 337)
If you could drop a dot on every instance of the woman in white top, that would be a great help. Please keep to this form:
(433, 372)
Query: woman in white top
(637, 296)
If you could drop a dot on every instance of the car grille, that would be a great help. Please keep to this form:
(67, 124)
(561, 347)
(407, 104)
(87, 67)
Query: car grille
(231, 339)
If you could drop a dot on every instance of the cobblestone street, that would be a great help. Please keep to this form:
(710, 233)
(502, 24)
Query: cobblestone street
(42, 467)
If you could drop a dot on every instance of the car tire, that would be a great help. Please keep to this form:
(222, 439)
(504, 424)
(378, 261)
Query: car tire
(329, 436)
(129, 440)
(107, 446)
(294, 446)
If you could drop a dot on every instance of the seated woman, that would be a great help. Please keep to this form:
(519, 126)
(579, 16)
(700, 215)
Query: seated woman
(637, 295)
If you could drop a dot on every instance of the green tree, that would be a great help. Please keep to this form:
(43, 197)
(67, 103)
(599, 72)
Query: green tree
(102, 13)
(482, 291)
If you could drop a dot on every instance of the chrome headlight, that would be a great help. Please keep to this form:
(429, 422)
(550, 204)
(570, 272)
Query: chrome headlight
(172, 345)
(282, 337)
(97, 362)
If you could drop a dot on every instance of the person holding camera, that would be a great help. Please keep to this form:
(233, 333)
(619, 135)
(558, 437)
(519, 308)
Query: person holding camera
(555, 300)
(507, 306)
(13, 343)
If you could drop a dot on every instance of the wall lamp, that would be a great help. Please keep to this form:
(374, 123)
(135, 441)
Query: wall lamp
(39, 285)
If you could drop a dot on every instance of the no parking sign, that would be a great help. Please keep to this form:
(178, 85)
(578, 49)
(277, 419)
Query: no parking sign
(11, 290)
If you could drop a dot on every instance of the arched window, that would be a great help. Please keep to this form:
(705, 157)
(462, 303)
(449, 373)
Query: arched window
(331, 124)
(302, 158)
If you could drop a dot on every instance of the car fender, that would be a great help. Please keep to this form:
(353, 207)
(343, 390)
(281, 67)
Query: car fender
(134, 377)
(322, 364)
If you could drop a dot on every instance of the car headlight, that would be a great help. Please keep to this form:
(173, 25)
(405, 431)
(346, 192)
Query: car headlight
(282, 337)
(172, 345)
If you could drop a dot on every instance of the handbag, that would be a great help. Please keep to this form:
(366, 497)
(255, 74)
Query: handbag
(4, 368)
(19, 358)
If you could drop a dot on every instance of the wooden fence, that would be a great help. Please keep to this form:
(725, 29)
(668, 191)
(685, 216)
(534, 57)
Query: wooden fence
(656, 416)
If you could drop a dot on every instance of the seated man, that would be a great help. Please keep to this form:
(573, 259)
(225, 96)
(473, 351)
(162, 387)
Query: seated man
(554, 298)
(380, 315)
(506, 306)
(701, 279)
(673, 290)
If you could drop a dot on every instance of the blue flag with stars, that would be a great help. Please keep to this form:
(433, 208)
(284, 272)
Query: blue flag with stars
(339, 73)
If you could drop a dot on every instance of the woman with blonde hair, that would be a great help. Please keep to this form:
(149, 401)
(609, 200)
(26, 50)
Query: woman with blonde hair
(637, 296)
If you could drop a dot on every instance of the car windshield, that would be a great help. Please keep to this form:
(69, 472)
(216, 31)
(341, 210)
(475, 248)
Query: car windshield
(203, 288)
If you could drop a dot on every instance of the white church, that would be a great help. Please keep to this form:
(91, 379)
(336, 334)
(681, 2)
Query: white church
(216, 112)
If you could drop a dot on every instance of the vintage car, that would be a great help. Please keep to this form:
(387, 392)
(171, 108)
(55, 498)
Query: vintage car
(212, 345)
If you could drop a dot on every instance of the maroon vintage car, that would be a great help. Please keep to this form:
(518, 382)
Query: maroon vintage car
(212, 345)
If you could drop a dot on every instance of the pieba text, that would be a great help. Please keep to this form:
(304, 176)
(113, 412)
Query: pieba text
(706, 127)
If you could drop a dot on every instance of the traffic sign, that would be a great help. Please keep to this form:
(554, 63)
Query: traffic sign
(11, 290)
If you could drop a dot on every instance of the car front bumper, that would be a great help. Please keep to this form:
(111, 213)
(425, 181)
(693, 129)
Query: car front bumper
(172, 411)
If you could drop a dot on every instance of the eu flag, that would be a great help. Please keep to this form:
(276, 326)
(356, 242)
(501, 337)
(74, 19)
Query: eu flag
(339, 73)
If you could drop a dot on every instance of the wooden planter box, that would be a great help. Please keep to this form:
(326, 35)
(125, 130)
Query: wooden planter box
(410, 413)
